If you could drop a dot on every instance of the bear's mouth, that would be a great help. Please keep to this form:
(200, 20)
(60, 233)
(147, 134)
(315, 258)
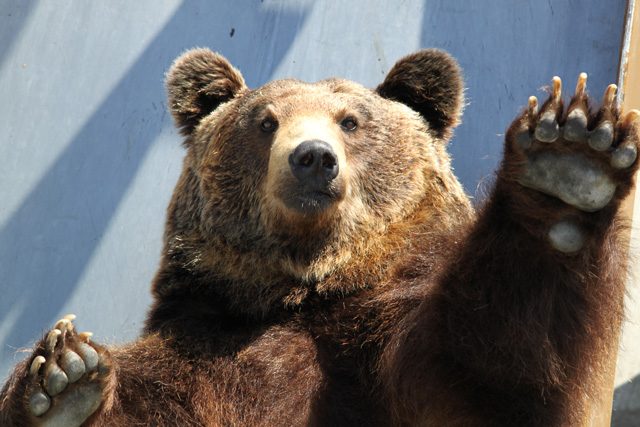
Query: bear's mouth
(313, 202)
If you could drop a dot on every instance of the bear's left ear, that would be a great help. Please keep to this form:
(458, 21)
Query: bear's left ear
(430, 82)
(197, 83)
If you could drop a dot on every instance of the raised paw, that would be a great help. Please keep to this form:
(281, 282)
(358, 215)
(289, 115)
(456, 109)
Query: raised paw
(575, 155)
(67, 377)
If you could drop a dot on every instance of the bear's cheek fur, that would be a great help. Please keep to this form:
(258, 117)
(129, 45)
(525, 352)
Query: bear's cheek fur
(288, 199)
(392, 170)
(230, 163)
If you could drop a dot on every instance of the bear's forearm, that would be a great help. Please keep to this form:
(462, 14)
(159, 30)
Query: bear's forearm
(511, 320)
(513, 298)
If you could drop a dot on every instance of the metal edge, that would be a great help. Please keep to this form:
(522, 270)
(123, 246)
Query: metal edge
(624, 54)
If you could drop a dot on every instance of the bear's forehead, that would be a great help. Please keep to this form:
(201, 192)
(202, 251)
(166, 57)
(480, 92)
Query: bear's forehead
(291, 95)
(326, 86)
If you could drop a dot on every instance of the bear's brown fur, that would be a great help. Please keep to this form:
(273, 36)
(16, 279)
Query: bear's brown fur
(370, 293)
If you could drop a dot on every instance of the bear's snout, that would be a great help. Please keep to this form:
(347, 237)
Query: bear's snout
(315, 164)
(308, 170)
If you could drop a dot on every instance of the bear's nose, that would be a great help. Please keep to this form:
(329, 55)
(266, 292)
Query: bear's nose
(314, 162)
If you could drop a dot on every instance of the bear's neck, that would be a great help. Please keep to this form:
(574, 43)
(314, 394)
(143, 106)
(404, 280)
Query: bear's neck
(256, 281)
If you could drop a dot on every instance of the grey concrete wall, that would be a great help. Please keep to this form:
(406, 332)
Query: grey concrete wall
(89, 157)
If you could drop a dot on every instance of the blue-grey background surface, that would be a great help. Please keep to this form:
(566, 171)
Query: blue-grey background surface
(89, 157)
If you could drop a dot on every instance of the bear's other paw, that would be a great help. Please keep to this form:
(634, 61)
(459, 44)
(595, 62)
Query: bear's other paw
(67, 377)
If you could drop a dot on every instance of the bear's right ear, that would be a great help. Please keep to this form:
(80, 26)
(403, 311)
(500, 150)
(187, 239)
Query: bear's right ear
(197, 83)
(430, 82)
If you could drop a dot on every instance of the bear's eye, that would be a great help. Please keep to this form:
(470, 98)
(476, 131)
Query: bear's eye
(349, 124)
(268, 125)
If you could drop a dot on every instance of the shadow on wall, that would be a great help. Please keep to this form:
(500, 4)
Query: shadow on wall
(47, 243)
(626, 404)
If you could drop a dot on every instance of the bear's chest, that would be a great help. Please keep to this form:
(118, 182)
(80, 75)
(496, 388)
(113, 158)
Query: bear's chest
(306, 378)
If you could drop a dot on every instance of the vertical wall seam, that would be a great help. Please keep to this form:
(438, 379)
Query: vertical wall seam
(624, 54)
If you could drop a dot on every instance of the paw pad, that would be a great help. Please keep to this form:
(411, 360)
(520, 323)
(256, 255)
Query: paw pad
(39, 403)
(567, 236)
(576, 127)
(569, 177)
(559, 169)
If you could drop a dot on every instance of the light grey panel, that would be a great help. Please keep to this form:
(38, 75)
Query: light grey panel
(89, 157)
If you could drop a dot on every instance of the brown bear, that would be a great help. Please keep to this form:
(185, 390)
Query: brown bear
(323, 266)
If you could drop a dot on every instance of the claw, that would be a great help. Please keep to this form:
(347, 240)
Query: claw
(52, 340)
(582, 84)
(84, 336)
(70, 318)
(609, 96)
(36, 364)
(557, 88)
(547, 129)
(64, 325)
(533, 106)
(631, 116)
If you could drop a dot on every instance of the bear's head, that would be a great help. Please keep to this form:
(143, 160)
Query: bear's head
(296, 186)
